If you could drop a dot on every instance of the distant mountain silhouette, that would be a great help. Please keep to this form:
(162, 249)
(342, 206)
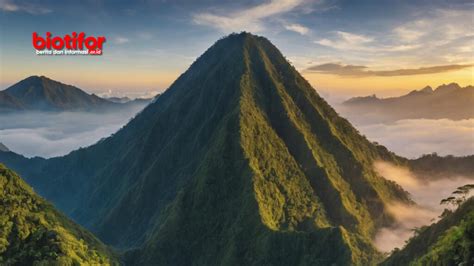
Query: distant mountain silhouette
(433, 166)
(3, 148)
(119, 99)
(447, 101)
(39, 93)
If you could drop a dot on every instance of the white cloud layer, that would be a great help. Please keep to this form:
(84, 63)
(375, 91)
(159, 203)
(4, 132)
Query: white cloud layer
(54, 134)
(415, 137)
(433, 37)
(120, 40)
(348, 41)
(249, 19)
(10, 6)
(298, 28)
(425, 192)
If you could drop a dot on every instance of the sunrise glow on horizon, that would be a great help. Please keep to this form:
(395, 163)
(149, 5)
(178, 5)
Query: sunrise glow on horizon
(339, 47)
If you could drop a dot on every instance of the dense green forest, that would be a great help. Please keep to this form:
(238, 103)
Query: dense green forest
(450, 241)
(33, 232)
(434, 166)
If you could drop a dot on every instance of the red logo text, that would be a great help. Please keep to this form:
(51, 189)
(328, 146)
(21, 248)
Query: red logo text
(73, 43)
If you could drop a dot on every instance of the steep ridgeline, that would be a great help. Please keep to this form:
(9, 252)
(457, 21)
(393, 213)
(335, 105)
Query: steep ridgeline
(450, 241)
(240, 161)
(44, 94)
(32, 232)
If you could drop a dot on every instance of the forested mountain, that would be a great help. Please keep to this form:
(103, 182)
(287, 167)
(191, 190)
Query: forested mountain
(239, 162)
(33, 232)
(434, 166)
(450, 241)
(39, 93)
(44, 94)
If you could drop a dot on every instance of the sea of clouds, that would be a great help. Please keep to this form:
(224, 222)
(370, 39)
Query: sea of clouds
(49, 134)
(414, 137)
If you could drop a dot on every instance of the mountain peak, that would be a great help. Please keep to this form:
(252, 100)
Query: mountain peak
(447, 88)
(43, 93)
(427, 89)
(242, 150)
(36, 78)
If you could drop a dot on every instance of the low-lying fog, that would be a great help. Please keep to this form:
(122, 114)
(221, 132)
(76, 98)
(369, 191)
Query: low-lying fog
(425, 192)
(53, 134)
(413, 137)
(49, 134)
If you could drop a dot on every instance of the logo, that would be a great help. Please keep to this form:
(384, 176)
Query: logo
(73, 44)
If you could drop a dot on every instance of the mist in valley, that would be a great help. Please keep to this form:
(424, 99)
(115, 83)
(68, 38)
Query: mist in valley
(50, 134)
(413, 137)
(425, 192)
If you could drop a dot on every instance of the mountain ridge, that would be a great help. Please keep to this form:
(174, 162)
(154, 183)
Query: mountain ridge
(239, 159)
(40, 93)
(449, 101)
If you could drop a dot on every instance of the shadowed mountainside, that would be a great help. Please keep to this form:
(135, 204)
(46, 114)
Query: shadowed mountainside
(39, 93)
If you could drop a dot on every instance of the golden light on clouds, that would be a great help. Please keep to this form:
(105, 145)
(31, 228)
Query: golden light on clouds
(387, 86)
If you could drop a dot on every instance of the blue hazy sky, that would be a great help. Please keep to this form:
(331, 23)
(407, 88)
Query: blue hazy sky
(338, 45)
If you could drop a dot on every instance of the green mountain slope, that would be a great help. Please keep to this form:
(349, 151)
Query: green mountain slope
(32, 231)
(240, 161)
(447, 242)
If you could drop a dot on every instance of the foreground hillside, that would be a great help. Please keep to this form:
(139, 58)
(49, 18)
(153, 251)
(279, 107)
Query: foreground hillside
(447, 242)
(239, 162)
(33, 232)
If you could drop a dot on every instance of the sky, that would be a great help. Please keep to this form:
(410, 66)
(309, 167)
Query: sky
(343, 48)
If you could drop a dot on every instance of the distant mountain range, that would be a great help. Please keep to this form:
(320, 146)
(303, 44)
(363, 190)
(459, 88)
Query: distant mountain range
(39, 93)
(239, 162)
(446, 101)
(119, 99)
(128, 101)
